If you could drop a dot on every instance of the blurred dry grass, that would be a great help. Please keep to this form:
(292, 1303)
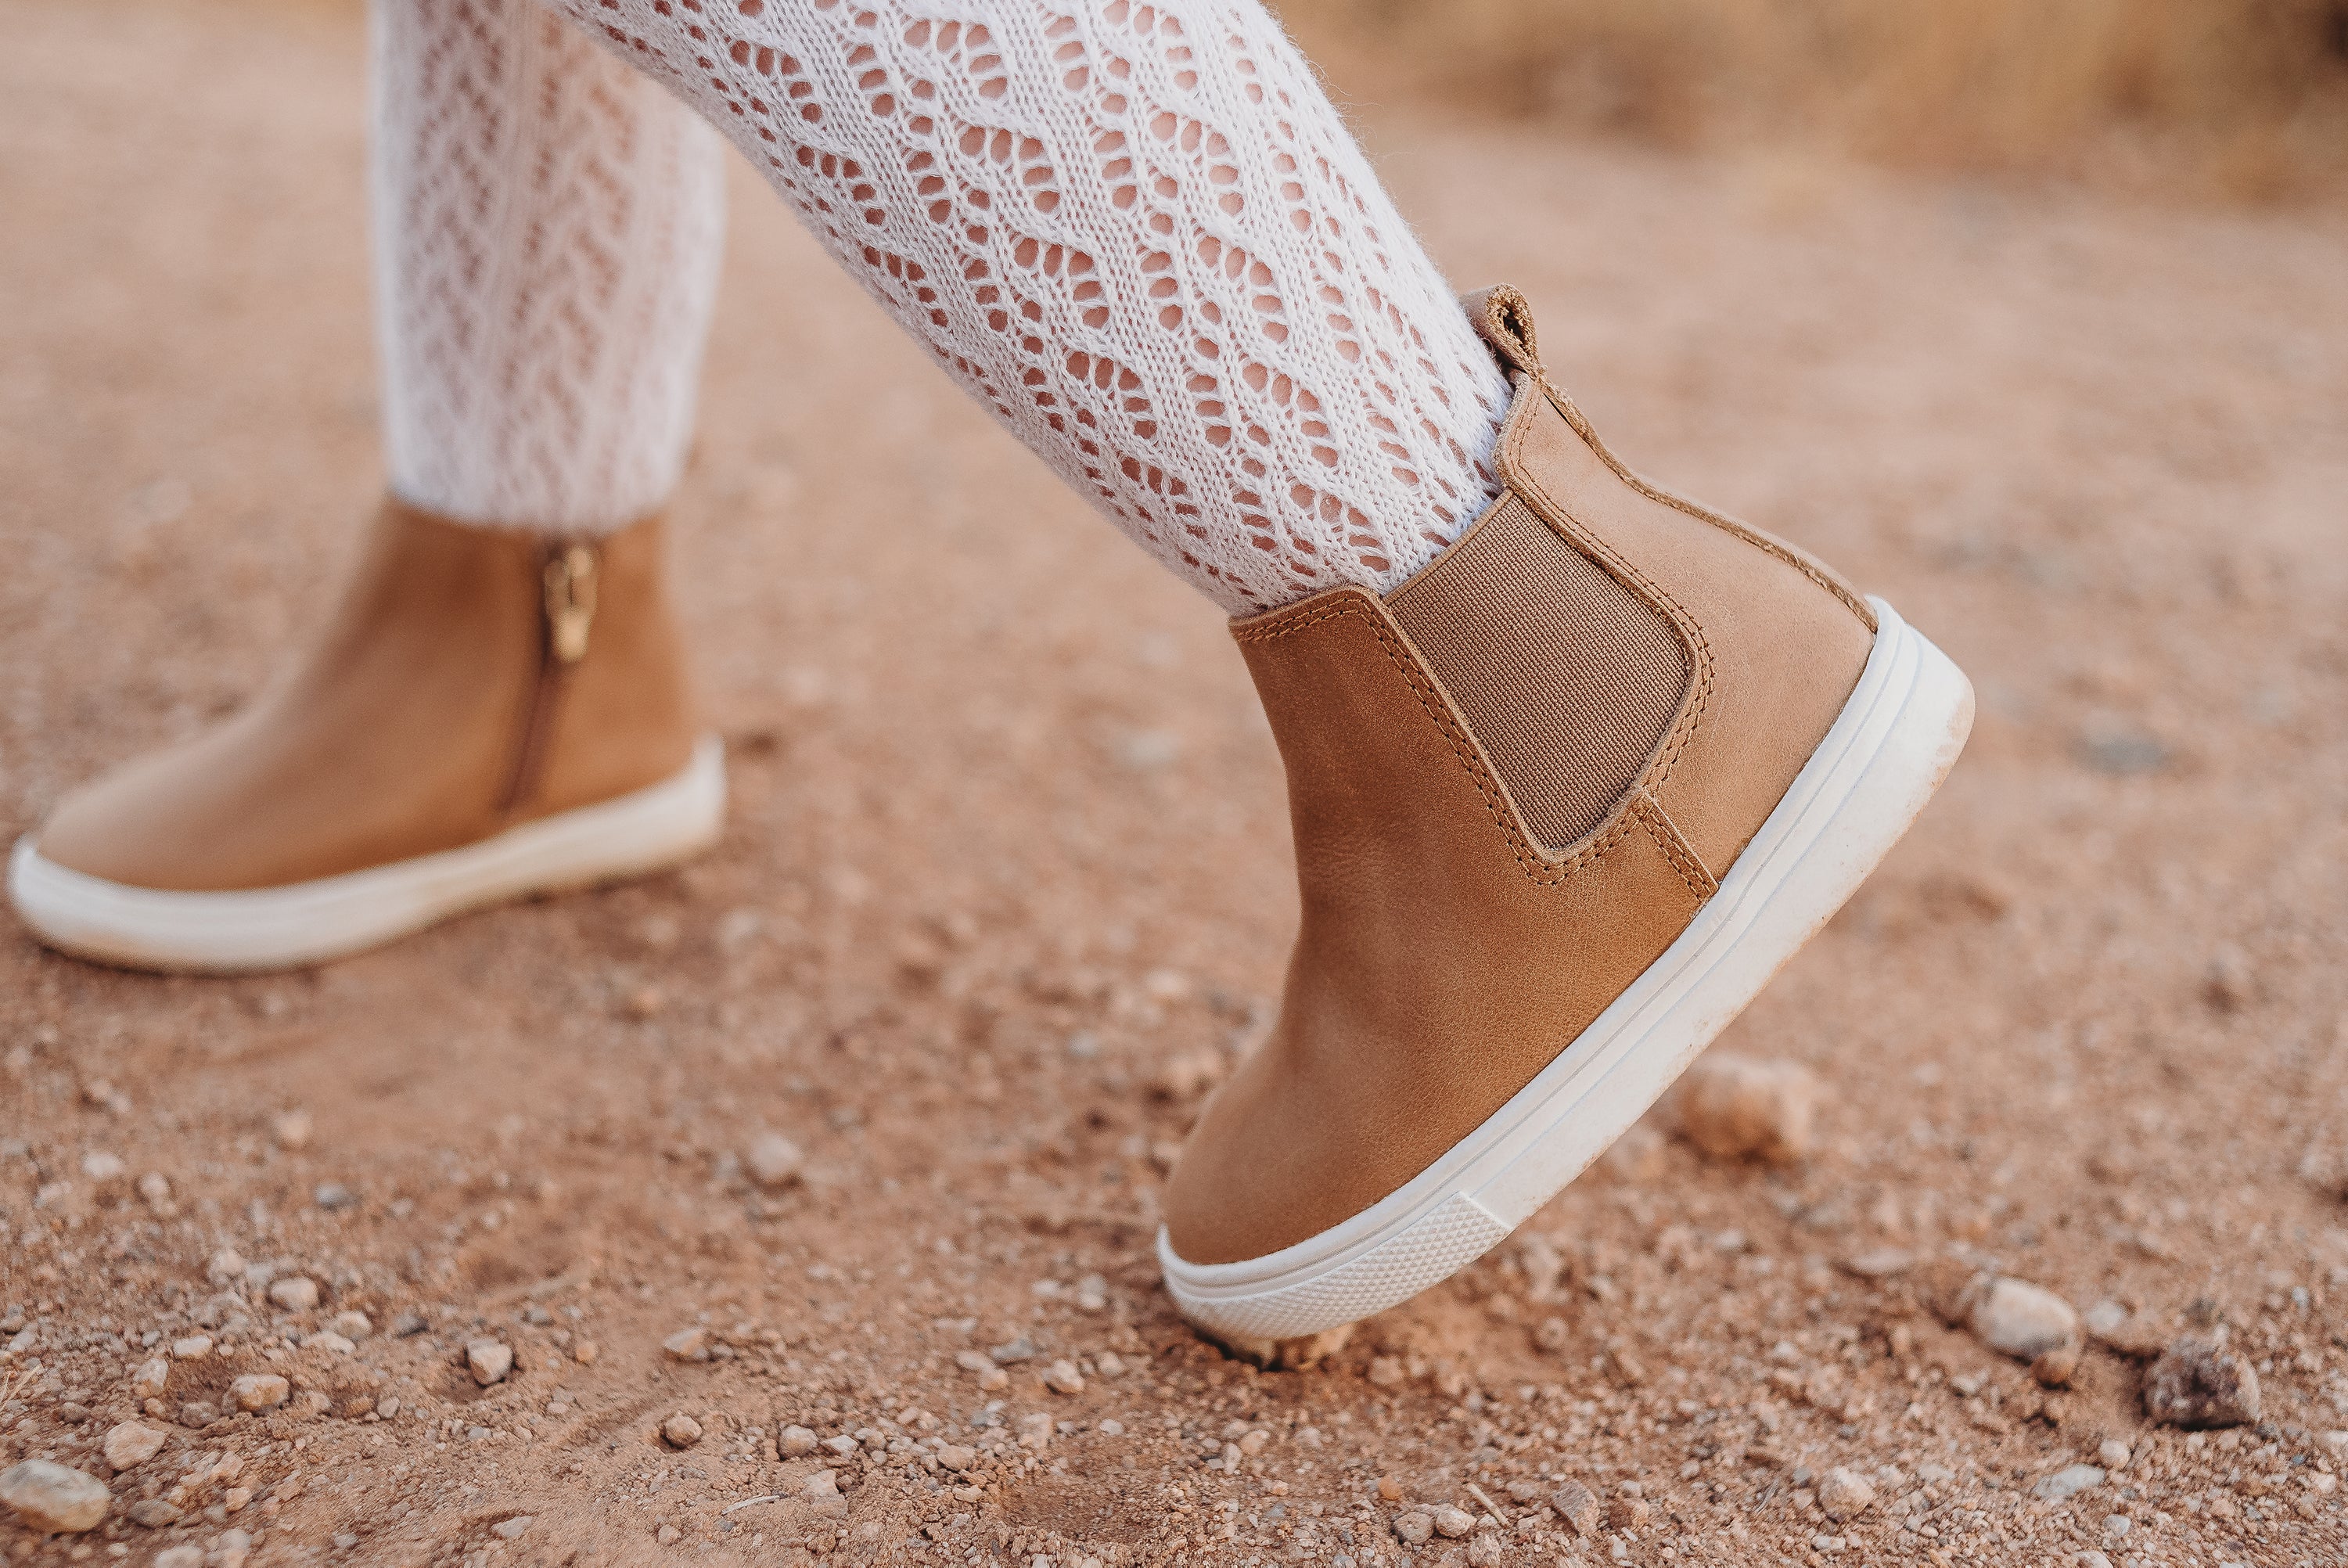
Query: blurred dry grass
(2238, 99)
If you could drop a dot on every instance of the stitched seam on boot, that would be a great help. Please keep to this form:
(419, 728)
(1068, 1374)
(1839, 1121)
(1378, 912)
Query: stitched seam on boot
(1697, 510)
(1538, 864)
(1552, 511)
(1667, 835)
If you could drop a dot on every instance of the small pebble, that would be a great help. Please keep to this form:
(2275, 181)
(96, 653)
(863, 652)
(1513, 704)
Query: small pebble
(797, 1442)
(155, 1192)
(99, 1165)
(1189, 1073)
(1845, 1493)
(332, 1196)
(2022, 1320)
(1740, 1107)
(1413, 1526)
(153, 1514)
(1062, 1378)
(130, 1445)
(585, 1351)
(291, 1130)
(1486, 1551)
(687, 1344)
(352, 1324)
(186, 1556)
(668, 1536)
(259, 1391)
(681, 1431)
(152, 1377)
(1577, 1505)
(1882, 1263)
(294, 1293)
(52, 1498)
(1626, 1512)
(773, 1160)
(2112, 1454)
(2198, 1383)
(512, 1528)
(326, 1339)
(1035, 1431)
(2068, 1482)
(194, 1347)
(1453, 1521)
(957, 1456)
(488, 1361)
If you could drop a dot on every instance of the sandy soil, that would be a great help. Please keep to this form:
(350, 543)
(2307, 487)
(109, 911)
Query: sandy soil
(1009, 839)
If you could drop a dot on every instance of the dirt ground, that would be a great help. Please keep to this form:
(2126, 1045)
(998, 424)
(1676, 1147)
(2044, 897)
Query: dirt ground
(1009, 840)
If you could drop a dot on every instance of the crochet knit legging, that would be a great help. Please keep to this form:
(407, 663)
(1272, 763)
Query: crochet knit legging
(1138, 233)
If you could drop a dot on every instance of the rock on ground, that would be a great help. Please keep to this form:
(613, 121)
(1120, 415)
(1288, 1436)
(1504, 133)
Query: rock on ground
(2022, 1320)
(130, 1444)
(1845, 1493)
(488, 1361)
(259, 1391)
(1578, 1506)
(53, 1498)
(773, 1160)
(1290, 1355)
(2198, 1383)
(2068, 1482)
(295, 1293)
(1740, 1107)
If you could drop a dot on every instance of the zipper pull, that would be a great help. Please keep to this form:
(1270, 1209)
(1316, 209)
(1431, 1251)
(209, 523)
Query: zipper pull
(569, 601)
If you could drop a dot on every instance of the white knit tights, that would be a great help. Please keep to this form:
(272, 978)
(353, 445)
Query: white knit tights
(1138, 233)
(548, 228)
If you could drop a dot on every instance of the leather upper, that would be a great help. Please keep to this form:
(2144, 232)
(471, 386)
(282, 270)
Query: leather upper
(1447, 953)
(398, 734)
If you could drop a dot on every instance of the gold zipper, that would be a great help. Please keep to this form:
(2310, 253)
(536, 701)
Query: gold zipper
(568, 581)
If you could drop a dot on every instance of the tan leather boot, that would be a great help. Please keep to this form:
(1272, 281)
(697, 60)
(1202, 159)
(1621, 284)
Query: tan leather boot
(489, 714)
(1562, 803)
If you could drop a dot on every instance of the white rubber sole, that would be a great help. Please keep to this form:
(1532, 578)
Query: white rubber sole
(307, 923)
(1887, 751)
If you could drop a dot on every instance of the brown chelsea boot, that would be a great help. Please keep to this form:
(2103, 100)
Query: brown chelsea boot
(1563, 802)
(489, 714)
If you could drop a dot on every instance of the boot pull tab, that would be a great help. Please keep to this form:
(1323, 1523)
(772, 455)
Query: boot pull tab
(1504, 318)
(570, 583)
